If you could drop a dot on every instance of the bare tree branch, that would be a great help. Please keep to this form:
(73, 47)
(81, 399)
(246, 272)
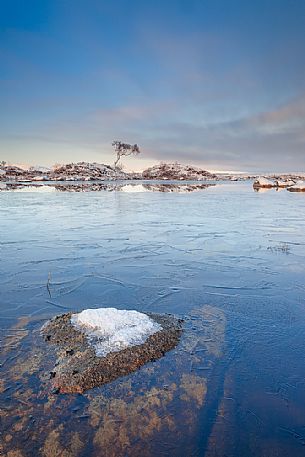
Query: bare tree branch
(124, 149)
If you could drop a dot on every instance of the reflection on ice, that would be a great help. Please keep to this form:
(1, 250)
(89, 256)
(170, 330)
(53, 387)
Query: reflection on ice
(262, 190)
(23, 188)
(111, 186)
(134, 188)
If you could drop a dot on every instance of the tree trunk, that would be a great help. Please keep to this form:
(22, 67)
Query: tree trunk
(117, 160)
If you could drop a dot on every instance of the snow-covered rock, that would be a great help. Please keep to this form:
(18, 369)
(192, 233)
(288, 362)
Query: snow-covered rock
(112, 330)
(264, 182)
(281, 183)
(176, 171)
(299, 186)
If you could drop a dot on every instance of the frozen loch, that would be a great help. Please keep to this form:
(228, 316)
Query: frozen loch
(102, 380)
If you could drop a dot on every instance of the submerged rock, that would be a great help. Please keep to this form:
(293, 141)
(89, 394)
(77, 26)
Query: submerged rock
(92, 351)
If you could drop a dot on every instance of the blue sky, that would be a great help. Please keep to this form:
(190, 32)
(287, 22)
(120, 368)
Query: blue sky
(215, 83)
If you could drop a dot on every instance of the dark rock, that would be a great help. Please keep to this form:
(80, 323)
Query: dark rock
(78, 368)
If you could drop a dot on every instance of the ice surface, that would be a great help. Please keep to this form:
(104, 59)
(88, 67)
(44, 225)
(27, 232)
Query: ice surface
(111, 329)
(240, 251)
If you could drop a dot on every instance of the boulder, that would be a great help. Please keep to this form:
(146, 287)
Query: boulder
(93, 348)
(262, 182)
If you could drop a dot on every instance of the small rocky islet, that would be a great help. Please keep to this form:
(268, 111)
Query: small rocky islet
(79, 366)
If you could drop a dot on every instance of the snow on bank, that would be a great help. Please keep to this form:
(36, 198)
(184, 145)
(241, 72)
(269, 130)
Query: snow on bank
(112, 330)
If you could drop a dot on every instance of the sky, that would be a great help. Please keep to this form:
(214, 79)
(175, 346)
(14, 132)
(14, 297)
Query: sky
(219, 84)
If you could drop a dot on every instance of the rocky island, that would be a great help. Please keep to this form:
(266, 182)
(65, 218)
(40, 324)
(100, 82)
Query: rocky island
(87, 171)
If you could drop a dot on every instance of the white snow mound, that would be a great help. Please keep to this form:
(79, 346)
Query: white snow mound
(112, 330)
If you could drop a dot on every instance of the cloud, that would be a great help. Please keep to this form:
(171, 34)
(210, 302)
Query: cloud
(265, 141)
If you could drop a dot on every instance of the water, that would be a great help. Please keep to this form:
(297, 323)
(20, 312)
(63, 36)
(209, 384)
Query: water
(231, 261)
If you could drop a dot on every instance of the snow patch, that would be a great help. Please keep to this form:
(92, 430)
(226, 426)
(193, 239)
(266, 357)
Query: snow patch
(134, 188)
(112, 330)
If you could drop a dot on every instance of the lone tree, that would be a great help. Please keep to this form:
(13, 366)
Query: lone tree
(2, 163)
(124, 149)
